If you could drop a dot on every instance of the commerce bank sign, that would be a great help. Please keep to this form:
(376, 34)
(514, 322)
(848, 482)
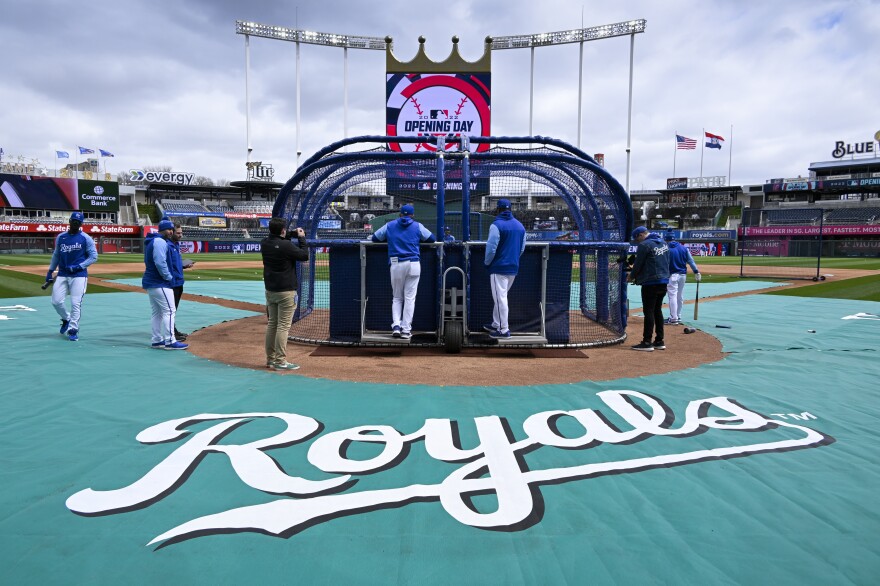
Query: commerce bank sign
(495, 466)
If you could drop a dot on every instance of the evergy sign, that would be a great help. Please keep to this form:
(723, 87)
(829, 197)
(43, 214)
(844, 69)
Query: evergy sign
(176, 178)
(496, 465)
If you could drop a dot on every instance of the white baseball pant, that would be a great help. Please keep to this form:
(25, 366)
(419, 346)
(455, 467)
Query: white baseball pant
(675, 290)
(501, 284)
(76, 288)
(162, 305)
(404, 284)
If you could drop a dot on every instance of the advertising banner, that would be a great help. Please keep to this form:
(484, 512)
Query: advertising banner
(810, 230)
(677, 183)
(93, 230)
(98, 196)
(244, 216)
(210, 222)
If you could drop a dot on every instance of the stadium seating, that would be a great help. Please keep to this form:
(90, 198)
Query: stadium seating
(195, 233)
(185, 205)
(853, 216)
(792, 217)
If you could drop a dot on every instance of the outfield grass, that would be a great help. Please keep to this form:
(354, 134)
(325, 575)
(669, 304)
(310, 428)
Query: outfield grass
(860, 288)
(867, 264)
(16, 284)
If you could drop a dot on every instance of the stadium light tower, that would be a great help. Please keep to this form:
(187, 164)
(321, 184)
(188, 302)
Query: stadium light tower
(531, 42)
(280, 33)
(581, 35)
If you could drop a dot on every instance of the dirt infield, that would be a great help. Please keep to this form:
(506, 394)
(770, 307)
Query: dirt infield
(240, 343)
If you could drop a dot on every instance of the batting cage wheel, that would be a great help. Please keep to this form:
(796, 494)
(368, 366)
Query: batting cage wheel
(453, 336)
(570, 291)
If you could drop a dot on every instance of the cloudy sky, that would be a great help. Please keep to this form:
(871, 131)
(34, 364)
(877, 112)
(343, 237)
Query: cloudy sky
(163, 82)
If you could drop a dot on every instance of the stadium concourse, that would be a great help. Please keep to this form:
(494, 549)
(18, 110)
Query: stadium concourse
(124, 464)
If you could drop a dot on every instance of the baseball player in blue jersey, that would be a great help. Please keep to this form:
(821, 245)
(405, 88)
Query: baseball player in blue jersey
(506, 243)
(447, 235)
(74, 252)
(403, 236)
(163, 272)
(679, 260)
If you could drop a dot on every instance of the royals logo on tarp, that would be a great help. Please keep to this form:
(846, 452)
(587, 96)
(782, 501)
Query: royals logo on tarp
(512, 466)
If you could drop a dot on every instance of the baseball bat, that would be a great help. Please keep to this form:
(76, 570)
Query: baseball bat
(46, 284)
(697, 302)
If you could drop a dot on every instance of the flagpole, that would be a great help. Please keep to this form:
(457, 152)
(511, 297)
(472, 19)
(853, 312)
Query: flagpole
(730, 156)
(674, 152)
(702, 150)
(56, 163)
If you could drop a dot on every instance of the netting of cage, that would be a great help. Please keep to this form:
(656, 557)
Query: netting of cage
(583, 280)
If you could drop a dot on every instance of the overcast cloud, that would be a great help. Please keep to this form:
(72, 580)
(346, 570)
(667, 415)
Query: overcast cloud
(162, 82)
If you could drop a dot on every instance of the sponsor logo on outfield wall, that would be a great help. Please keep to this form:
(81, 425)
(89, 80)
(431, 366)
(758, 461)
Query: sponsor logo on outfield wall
(810, 230)
(495, 466)
(93, 229)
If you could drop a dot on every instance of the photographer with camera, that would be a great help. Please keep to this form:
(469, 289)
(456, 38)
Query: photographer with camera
(280, 256)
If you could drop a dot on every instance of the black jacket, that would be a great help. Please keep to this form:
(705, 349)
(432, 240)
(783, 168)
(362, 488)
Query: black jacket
(279, 262)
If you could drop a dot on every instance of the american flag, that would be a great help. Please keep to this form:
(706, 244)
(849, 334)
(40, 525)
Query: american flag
(685, 143)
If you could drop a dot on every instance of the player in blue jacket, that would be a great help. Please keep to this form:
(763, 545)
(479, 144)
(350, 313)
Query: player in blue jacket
(447, 235)
(162, 273)
(403, 236)
(74, 252)
(679, 260)
(651, 271)
(506, 243)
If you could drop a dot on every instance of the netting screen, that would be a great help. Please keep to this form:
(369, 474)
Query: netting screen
(572, 292)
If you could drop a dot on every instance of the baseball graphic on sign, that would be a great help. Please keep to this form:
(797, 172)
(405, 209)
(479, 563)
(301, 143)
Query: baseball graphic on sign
(437, 105)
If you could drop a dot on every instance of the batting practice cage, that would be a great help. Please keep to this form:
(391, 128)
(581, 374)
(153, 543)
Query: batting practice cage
(568, 293)
(781, 243)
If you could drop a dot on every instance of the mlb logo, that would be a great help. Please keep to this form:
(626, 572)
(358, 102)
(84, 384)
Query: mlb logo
(437, 113)
(424, 185)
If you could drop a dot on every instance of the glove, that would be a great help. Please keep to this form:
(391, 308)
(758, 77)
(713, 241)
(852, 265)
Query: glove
(697, 276)
(48, 276)
(75, 268)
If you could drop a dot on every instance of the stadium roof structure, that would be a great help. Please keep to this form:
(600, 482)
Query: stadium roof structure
(863, 165)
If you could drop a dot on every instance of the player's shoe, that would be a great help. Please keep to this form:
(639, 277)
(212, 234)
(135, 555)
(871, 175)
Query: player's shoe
(180, 336)
(72, 335)
(285, 366)
(490, 328)
(405, 335)
(672, 322)
(500, 334)
(643, 347)
(176, 346)
(395, 331)
(158, 345)
(64, 324)
(659, 345)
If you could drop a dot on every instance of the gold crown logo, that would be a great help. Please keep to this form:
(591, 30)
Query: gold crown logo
(455, 63)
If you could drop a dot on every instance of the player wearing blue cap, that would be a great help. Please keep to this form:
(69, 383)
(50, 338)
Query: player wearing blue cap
(651, 271)
(447, 235)
(74, 252)
(506, 243)
(403, 236)
(162, 273)
(679, 260)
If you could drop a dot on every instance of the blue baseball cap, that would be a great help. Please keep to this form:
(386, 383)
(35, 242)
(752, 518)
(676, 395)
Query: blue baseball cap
(504, 204)
(407, 210)
(77, 217)
(638, 231)
(166, 225)
(669, 237)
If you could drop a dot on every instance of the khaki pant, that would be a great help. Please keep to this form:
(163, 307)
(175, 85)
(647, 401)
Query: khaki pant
(280, 306)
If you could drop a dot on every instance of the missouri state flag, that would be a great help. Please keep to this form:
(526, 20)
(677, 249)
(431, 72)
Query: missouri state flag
(713, 141)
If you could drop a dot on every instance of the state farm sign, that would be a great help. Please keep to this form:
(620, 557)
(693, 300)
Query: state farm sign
(55, 228)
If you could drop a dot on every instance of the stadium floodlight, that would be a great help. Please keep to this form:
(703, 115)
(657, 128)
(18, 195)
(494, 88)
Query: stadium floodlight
(281, 33)
(345, 42)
